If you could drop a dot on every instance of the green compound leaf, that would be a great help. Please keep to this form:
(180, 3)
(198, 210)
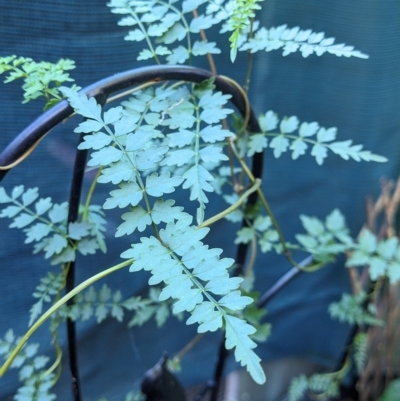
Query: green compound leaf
(45, 291)
(325, 240)
(320, 138)
(295, 39)
(191, 271)
(351, 309)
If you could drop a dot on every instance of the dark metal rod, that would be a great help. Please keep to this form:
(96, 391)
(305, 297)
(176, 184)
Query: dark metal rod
(73, 213)
(223, 354)
(282, 281)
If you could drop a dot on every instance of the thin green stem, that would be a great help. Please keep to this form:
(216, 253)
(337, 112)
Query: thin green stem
(255, 187)
(90, 194)
(58, 305)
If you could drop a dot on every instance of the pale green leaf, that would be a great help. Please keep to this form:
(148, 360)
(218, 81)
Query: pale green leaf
(55, 245)
(78, 230)
(256, 144)
(235, 301)
(11, 211)
(312, 225)
(201, 48)
(117, 172)
(368, 242)
(178, 157)
(128, 194)
(299, 148)
(308, 129)
(320, 152)
(279, 144)
(149, 158)
(387, 248)
(43, 205)
(4, 198)
(138, 139)
(89, 126)
(238, 337)
(58, 213)
(95, 141)
(145, 54)
(326, 135)
(136, 219)
(86, 107)
(288, 125)
(377, 267)
(17, 191)
(29, 196)
(176, 33)
(268, 121)
(157, 185)
(105, 156)
(179, 55)
(164, 211)
(198, 179)
(37, 232)
(214, 133)
(23, 220)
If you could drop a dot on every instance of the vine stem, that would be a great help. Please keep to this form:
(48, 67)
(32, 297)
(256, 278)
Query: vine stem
(245, 195)
(58, 305)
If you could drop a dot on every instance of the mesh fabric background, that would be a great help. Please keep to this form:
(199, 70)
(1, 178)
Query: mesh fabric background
(360, 97)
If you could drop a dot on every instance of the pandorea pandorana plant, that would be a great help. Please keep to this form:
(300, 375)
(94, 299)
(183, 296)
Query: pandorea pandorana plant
(174, 128)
